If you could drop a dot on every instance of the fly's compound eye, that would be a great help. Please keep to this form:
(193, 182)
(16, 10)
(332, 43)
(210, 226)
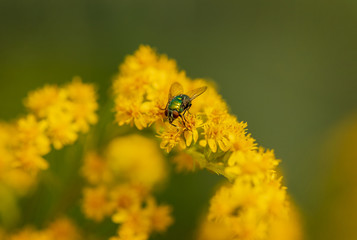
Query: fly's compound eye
(175, 114)
(166, 112)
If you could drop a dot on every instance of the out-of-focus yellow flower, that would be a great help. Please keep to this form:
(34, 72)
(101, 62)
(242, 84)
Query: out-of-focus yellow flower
(20, 159)
(31, 143)
(56, 115)
(136, 159)
(96, 203)
(210, 230)
(124, 177)
(84, 104)
(61, 228)
(140, 222)
(66, 110)
(126, 196)
(32, 132)
(287, 228)
(184, 162)
(161, 217)
(95, 169)
(255, 164)
(249, 210)
(43, 101)
(30, 233)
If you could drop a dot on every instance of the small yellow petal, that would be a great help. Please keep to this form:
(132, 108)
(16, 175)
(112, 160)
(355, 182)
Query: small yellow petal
(203, 143)
(212, 144)
(188, 137)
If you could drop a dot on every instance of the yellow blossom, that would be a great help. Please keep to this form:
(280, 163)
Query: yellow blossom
(63, 228)
(96, 203)
(256, 164)
(171, 136)
(123, 175)
(44, 100)
(84, 105)
(136, 159)
(32, 132)
(184, 162)
(30, 233)
(129, 112)
(95, 169)
(126, 196)
(160, 216)
(142, 221)
(66, 110)
(249, 210)
(210, 230)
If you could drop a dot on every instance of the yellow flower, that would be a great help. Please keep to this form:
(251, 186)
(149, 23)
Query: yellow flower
(20, 181)
(44, 100)
(63, 228)
(84, 104)
(61, 129)
(184, 162)
(288, 227)
(192, 123)
(96, 204)
(95, 169)
(126, 196)
(30, 234)
(6, 156)
(134, 223)
(29, 159)
(130, 112)
(171, 136)
(249, 209)
(18, 167)
(160, 216)
(66, 110)
(256, 164)
(210, 230)
(32, 132)
(140, 222)
(136, 159)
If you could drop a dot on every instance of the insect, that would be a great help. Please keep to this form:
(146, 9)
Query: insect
(178, 103)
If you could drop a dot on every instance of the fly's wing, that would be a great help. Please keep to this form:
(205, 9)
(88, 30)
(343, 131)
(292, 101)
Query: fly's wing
(196, 92)
(175, 89)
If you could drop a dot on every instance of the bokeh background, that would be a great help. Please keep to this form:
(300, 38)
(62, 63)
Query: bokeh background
(288, 68)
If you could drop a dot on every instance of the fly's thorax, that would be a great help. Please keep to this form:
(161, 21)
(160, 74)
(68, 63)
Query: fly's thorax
(186, 101)
(176, 103)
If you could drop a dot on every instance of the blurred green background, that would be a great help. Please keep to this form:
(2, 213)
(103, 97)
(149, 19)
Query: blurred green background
(288, 68)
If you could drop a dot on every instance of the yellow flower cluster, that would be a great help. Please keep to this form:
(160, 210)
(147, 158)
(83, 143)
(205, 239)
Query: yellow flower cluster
(56, 116)
(211, 137)
(122, 179)
(245, 227)
(249, 210)
(66, 111)
(142, 89)
(61, 228)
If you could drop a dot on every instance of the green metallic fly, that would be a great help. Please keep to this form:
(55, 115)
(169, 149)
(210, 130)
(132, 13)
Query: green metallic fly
(179, 103)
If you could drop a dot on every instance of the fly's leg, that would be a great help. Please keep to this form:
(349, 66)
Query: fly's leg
(172, 123)
(165, 106)
(188, 109)
(183, 114)
(183, 121)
